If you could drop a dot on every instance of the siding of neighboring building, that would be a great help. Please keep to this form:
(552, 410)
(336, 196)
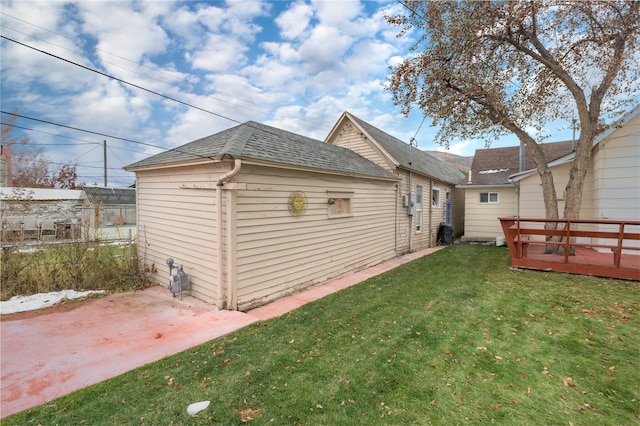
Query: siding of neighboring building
(616, 178)
(178, 222)
(616, 174)
(458, 211)
(532, 200)
(278, 253)
(481, 221)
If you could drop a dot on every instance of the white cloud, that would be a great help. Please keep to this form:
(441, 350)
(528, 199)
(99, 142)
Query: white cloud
(294, 21)
(142, 35)
(464, 148)
(219, 53)
(335, 13)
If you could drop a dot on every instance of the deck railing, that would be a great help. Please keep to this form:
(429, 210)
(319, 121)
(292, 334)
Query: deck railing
(617, 240)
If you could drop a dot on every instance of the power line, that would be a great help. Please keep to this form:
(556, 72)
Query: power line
(102, 134)
(122, 81)
(262, 109)
(49, 133)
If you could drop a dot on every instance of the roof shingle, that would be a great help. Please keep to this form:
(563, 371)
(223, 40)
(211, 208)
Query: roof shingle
(257, 141)
(493, 166)
(409, 156)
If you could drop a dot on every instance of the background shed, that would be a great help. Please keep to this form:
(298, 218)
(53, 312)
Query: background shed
(108, 212)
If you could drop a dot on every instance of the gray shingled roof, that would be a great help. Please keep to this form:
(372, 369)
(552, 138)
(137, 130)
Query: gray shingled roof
(255, 141)
(110, 196)
(411, 157)
(493, 166)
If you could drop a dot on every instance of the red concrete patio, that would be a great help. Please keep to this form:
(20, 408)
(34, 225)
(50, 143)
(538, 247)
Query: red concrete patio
(52, 352)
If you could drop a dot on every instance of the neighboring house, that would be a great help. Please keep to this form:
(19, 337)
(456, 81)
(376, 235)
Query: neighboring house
(612, 185)
(108, 212)
(430, 181)
(488, 192)
(38, 213)
(6, 175)
(254, 213)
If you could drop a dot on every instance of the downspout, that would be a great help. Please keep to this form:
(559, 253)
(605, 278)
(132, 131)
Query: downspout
(516, 185)
(397, 216)
(220, 275)
(410, 216)
(431, 212)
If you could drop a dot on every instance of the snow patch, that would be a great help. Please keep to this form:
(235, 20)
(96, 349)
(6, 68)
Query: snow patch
(486, 172)
(40, 300)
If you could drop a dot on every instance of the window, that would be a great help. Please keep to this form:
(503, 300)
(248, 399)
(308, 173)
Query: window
(418, 208)
(489, 198)
(435, 198)
(339, 204)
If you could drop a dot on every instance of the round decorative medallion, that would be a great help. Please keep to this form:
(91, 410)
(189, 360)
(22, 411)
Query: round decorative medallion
(297, 203)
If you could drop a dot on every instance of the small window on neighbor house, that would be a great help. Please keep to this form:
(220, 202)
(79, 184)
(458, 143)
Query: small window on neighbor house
(339, 204)
(489, 198)
(435, 198)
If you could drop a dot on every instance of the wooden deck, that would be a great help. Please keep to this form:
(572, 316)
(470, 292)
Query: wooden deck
(605, 248)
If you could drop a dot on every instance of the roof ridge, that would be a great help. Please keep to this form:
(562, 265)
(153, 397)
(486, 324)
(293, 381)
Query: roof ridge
(407, 156)
(234, 147)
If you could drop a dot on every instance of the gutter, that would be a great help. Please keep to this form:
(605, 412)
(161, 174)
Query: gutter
(516, 185)
(220, 273)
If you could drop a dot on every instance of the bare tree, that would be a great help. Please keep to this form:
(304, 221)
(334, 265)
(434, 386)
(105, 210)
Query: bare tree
(32, 168)
(491, 68)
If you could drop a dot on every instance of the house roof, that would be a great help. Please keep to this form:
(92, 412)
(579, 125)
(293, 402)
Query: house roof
(255, 141)
(493, 166)
(407, 156)
(568, 157)
(110, 196)
(39, 194)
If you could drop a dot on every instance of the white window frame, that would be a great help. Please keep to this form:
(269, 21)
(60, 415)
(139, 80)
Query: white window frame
(339, 204)
(435, 198)
(489, 194)
(418, 205)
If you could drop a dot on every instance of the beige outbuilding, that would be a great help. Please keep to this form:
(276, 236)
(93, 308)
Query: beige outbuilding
(254, 212)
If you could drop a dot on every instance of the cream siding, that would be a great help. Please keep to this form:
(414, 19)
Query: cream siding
(177, 222)
(481, 219)
(616, 178)
(350, 137)
(616, 174)
(278, 253)
(458, 211)
(432, 217)
(532, 199)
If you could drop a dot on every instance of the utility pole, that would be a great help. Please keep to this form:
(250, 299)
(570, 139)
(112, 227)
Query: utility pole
(105, 162)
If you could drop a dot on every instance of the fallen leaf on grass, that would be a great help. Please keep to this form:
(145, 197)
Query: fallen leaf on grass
(498, 357)
(495, 406)
(448, 352)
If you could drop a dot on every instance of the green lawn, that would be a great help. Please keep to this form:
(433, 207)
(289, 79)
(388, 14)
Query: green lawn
(453, 338)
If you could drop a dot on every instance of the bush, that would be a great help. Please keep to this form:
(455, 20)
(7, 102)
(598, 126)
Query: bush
(76, 265)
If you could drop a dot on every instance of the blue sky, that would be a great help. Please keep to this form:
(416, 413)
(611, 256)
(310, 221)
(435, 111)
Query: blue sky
(294, 65)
